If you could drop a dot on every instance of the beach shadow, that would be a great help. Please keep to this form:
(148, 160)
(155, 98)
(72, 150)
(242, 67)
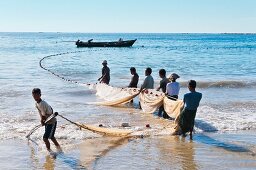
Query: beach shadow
(51, 162)
(217, 143)
(70, 161)
(204, 126)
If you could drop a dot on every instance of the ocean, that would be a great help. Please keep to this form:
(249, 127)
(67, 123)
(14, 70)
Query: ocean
(222, 64)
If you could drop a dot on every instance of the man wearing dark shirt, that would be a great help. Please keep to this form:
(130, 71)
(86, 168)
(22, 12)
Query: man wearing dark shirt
(135, 78)
(163, 83)
(105, 78)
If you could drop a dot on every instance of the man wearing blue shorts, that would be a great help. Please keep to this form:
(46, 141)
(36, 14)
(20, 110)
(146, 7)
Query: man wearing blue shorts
(45, 111)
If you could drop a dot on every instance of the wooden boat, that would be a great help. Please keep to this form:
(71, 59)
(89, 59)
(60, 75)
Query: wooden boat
(119, 43)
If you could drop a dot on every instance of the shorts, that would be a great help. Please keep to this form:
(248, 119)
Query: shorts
(187, 120)
(50, 130)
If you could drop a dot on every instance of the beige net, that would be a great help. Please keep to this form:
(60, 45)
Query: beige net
(173, 107)
(151, 100)
(114, 96)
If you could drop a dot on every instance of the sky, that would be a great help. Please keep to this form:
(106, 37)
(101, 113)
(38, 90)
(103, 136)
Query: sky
(128, 16)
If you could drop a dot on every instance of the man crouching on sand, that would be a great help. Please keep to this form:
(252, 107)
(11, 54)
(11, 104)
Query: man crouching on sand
(45, 110)
(187, 116)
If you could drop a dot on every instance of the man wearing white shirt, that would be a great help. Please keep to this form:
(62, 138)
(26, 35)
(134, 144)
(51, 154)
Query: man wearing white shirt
(173, 88)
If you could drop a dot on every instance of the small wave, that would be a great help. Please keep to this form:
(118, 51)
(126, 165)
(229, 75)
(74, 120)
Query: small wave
(211, 119)
(17, 127)
(223, 84)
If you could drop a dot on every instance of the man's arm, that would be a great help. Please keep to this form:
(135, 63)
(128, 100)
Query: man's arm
(102, 74)
(101, 78)
(42, 113)
(132, 82)
(144, 84)
(160, 86)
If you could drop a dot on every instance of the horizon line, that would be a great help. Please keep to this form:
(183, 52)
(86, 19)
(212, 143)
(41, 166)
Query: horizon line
(129, 32)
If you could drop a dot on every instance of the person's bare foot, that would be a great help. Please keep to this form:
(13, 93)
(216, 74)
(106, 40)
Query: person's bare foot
(59, 149)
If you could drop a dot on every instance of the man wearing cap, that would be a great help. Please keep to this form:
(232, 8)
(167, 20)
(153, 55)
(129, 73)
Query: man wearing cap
(105, 78)
(187, 116)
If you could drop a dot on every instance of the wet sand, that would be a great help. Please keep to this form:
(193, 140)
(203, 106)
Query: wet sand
(167, 152)
(206, 151)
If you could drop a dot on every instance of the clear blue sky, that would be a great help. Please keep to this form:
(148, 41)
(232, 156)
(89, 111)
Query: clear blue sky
(172, 16)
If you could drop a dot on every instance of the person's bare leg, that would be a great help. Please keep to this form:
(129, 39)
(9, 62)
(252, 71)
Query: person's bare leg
(47, 144)
(56, 143)
(190, 134)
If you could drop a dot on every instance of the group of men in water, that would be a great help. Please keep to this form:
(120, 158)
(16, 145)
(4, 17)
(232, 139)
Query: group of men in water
(171, 88)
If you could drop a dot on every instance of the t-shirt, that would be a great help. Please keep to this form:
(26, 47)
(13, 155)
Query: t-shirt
(173, 88)
(192, 100)
(134, 81)
(163, 84)
(148, 83)
(46, 110)
(106, 72)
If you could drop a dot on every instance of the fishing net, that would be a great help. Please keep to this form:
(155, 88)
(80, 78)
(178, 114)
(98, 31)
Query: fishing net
(151, 100)
(173, 107)
(114, 96)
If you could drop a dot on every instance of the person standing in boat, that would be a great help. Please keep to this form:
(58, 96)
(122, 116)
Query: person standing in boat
(163, 83)
(45, 111)
(187, 116)
(149, 81)
(135, 78)
(105, 78)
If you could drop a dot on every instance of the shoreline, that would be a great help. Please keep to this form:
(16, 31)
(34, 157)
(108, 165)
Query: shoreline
(163, 151)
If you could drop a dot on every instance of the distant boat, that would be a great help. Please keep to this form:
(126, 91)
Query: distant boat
(119, 43)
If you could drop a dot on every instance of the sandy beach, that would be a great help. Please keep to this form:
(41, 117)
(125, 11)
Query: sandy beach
(159, 152)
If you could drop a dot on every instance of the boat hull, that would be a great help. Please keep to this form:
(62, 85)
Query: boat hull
(128, 43)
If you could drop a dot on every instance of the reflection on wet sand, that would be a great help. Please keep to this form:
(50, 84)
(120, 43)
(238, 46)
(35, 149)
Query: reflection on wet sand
(93, 149)
(33, 158)
(57, 160)
(177, 152)
(49, 163)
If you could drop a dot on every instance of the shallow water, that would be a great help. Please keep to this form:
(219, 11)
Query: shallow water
(223, 65)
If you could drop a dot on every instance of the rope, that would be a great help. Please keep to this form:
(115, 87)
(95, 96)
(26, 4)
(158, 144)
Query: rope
(57, 75)
(40, 125)
(60, 54)
(82, 126)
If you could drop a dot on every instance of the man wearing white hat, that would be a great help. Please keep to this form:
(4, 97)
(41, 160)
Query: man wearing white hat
(105, 78)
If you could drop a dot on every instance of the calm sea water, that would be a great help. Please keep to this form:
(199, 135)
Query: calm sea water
(222, 64)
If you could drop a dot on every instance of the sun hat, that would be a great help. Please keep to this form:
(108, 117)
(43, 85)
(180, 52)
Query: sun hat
(104, 62)
(174, 76)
